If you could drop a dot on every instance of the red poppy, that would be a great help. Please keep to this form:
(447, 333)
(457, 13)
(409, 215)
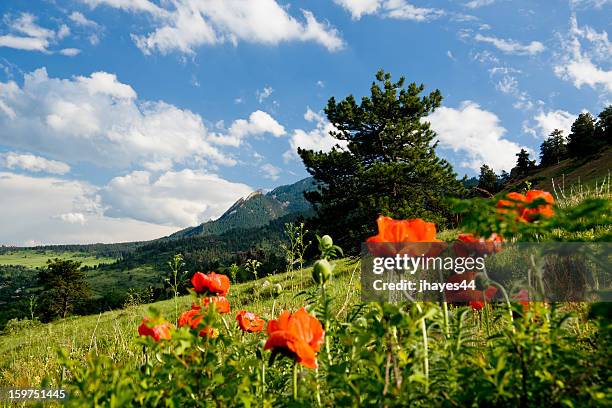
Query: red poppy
(542, 210)
(394, 234)
(221, 303)
(517, 203)
(212, 283)
(158, 332)
(249, 322)
(522, 297)
(469, 244)
(298, 336)
(193, 318)
(469, 295)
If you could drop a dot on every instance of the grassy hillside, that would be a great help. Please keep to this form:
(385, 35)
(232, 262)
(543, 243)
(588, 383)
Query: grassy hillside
(585, 173)
(34, 258)
(27, 354)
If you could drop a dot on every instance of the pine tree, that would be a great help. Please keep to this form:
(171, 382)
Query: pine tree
(582, 142)
(64, 286)
(523, 164)
(603, 129)
(488, 179)
(553, 149)
(389, 165)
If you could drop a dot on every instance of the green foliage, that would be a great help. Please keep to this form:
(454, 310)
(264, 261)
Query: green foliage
(389, 165)
(63, 287)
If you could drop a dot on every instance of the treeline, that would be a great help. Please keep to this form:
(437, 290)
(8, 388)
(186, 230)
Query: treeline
(588, 136)
(100, 250)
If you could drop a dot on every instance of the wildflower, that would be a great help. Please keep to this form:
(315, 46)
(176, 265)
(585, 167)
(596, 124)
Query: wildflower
(158, 332)
(220, 302)
(473, 297)
(521, 205)
(249, 322)
(542, 210)
(394, 234)
(193, 318)
(212, 283)
(469, 244)
(298, 336)
(522, 297)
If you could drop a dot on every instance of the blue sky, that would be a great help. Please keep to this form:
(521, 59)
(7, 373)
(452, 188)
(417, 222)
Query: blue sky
(128, 119)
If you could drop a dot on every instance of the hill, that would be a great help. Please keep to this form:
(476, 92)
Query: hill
(578, 173)
(257, 210)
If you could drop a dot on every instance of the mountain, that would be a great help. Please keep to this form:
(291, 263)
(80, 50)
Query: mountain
(256, 210)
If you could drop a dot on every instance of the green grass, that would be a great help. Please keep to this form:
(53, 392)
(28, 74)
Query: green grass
(32, 258)
(29, 354)
(586, 172)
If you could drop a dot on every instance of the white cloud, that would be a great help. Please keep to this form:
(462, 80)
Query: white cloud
(264, 94)
(27, 35)
(259, 123)
(73, 218)
(358, 8)
(511, 46)
(478, 3)
(32, 163)
(590, 3)
(43, 207)
(476, 134)
(129, 5)
(317, 139)
(578, 64)
(98, 119)
(551, 120)
(398, 9)
(188, 24)
(270, 171)
(80, 19)
(70, 52)
(183, 198)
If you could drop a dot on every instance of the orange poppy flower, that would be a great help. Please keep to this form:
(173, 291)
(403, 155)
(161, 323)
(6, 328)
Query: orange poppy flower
(193, 318)
(394, 234)
(158, 332)
(523, 298)
(517, 203)
(543, 210)
(470, 296)
(249, 322)
(212, 283)
(220, 302)
(298, 336)
(469, 244)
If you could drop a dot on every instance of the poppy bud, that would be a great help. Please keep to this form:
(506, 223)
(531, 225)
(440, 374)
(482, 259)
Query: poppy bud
(326, 242)
(277, 289)
(322, 271)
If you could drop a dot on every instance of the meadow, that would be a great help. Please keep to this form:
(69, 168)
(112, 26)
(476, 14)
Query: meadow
(32, 258)
(308, 340)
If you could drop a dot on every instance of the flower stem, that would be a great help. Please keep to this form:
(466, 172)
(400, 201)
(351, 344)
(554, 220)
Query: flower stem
(295, 382)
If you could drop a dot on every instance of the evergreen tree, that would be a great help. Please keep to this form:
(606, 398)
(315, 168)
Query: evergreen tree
(523, 164)
(503, 178)
(389, 165)
(488, 179)
(553, 149)
(63, 287)
(603, 129)
(582, 142)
